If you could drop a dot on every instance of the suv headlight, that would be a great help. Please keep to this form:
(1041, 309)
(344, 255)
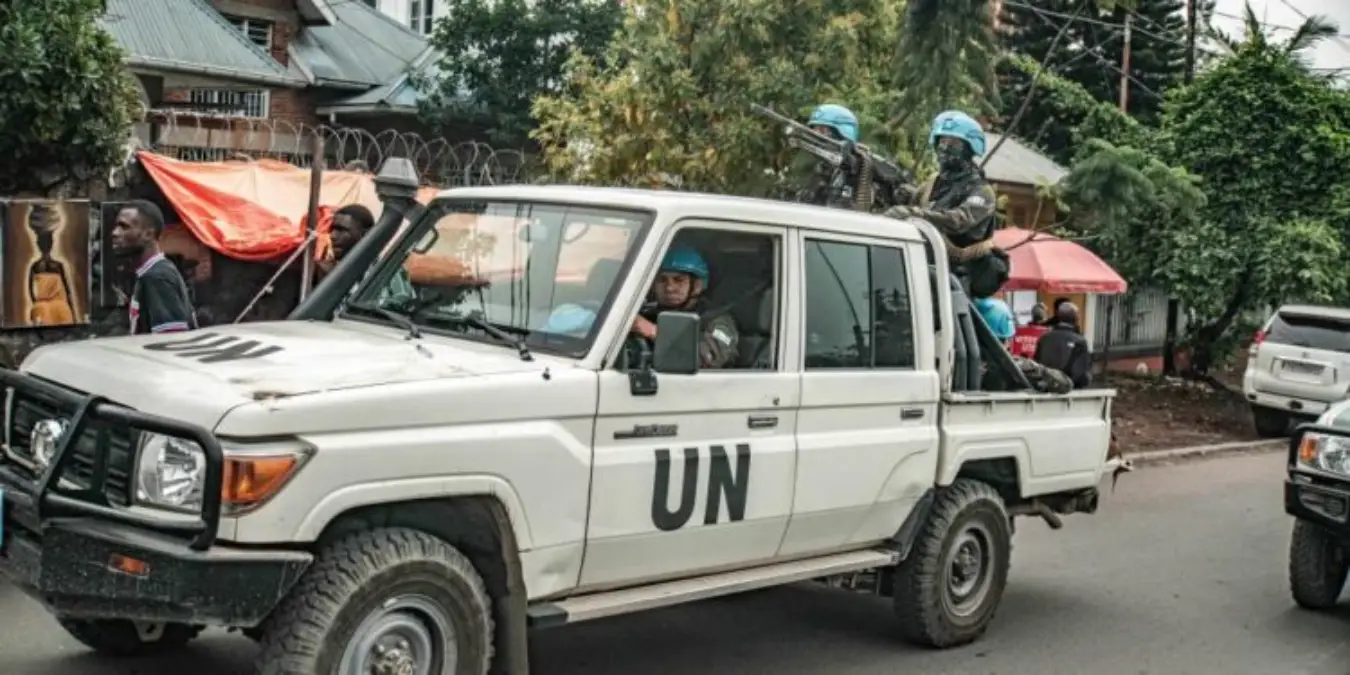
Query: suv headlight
(1326, 452)
(171, 472)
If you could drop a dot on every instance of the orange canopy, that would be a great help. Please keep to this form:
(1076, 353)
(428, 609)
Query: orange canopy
(1042, 262)
(256, 210)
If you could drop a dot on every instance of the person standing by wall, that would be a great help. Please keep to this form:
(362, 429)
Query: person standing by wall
(159, 300)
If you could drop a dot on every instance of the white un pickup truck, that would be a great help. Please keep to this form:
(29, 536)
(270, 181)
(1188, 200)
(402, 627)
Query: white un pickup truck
(477, 445)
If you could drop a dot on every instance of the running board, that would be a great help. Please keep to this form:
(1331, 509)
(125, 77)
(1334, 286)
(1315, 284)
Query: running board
(666, 594)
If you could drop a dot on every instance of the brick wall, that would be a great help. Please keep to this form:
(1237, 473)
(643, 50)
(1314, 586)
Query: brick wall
(295, 106)
(287, 105)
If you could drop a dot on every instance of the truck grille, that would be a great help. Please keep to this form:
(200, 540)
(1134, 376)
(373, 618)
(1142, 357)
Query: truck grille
(119, 441)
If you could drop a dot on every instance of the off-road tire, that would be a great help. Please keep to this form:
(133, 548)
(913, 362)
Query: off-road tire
(921, 581)
(119, 637)
(1270, 423)
(352, 578)
(1317, 567)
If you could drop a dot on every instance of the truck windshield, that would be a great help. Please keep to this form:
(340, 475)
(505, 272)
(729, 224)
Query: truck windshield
(543, 272)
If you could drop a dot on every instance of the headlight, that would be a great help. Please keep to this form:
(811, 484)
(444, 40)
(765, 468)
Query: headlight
(171, 472)
(1325, 452)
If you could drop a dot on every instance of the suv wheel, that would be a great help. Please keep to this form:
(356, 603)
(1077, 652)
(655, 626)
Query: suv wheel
(1317, 567)
(123, 638)
(1270, 423)
(947, 590)
(385, 600)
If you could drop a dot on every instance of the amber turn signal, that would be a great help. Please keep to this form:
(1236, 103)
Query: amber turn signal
(250, 480)
(1307, 449)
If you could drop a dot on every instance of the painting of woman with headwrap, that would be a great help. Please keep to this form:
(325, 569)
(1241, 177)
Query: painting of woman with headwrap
(52, 302)
(46, 263)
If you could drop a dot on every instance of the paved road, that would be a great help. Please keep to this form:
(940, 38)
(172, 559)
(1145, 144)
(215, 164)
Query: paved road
(1183, 572)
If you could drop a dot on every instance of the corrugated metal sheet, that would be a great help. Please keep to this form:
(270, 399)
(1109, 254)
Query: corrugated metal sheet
(189, 36)
(1018, 163)
(1138, 320)
(362, 47)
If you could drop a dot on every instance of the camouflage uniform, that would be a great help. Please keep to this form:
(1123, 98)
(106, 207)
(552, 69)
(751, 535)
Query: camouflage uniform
(719, 337)
(962, 208)
(717, 347)
(1044, 378)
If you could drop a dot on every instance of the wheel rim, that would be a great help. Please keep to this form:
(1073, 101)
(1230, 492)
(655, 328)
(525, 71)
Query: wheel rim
(407, 635)
(968, 570)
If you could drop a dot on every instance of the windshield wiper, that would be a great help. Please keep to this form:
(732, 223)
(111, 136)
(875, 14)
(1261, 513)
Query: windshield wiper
(502, 335)
(405, 321)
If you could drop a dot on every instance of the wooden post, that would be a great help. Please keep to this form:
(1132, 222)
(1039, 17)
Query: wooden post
(312, 221)
(1125, 67)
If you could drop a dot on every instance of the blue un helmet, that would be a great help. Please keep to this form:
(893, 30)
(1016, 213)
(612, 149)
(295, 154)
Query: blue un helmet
(569, 319)
(686, 260)
(957, 124)
(836, 117)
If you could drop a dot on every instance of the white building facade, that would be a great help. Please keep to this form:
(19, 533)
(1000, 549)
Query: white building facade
(419, 15)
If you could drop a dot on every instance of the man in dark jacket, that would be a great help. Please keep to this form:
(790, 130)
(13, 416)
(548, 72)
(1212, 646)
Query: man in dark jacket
(1065, 349)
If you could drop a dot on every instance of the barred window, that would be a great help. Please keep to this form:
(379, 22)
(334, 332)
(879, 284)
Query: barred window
(258, 31)
(231, 102)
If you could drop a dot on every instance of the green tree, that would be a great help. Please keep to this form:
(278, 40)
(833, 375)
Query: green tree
(497, 56)
(947, 56)
(1271, 142)
(1091, 53)
(1060, 114)
(67, 110)
(1136, 211)
(677, 109)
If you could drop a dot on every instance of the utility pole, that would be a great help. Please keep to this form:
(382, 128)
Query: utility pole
(1125, 66)
(1173, 306)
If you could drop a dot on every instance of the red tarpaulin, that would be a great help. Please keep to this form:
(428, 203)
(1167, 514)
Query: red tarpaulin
(256, 211)
(1052, 265)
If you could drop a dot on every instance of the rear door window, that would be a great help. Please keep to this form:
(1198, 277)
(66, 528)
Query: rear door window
(1310, 332)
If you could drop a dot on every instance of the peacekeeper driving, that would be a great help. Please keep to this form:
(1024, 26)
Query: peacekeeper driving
(679, 286)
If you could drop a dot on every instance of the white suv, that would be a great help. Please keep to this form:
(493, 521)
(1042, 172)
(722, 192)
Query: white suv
(1298, 366)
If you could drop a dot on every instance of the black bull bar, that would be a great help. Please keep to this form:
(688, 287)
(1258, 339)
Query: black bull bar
(35, 500)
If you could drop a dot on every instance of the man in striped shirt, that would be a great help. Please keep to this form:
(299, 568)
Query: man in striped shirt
(159, 301)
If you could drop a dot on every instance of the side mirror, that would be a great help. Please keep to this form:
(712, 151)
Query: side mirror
(677, 342)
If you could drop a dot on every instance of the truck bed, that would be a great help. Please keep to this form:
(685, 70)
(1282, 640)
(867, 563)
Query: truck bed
(1059, 441)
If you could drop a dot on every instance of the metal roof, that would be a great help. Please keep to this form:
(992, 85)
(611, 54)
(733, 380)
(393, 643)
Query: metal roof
(363, 48)
(1019, 164)
(189, 36)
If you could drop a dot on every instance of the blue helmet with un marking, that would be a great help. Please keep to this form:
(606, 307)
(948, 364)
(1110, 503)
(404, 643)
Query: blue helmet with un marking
(957, 124)
(836, 117)
(686, 260)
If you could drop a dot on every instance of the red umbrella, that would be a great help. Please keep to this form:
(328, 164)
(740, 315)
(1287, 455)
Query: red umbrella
(1049, 264)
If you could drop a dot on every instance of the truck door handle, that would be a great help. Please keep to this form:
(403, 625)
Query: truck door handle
(911, 413)
(762, 421)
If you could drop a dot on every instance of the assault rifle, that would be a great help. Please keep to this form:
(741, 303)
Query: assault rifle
(849, 175)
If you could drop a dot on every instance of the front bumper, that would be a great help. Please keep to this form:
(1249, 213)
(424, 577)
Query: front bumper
(91, 568)
(1316, 496)
(85, 555)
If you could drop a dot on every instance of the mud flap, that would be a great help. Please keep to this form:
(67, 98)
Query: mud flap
(1117, 465)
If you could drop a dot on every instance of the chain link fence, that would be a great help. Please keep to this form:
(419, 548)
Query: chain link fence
(204, 137)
